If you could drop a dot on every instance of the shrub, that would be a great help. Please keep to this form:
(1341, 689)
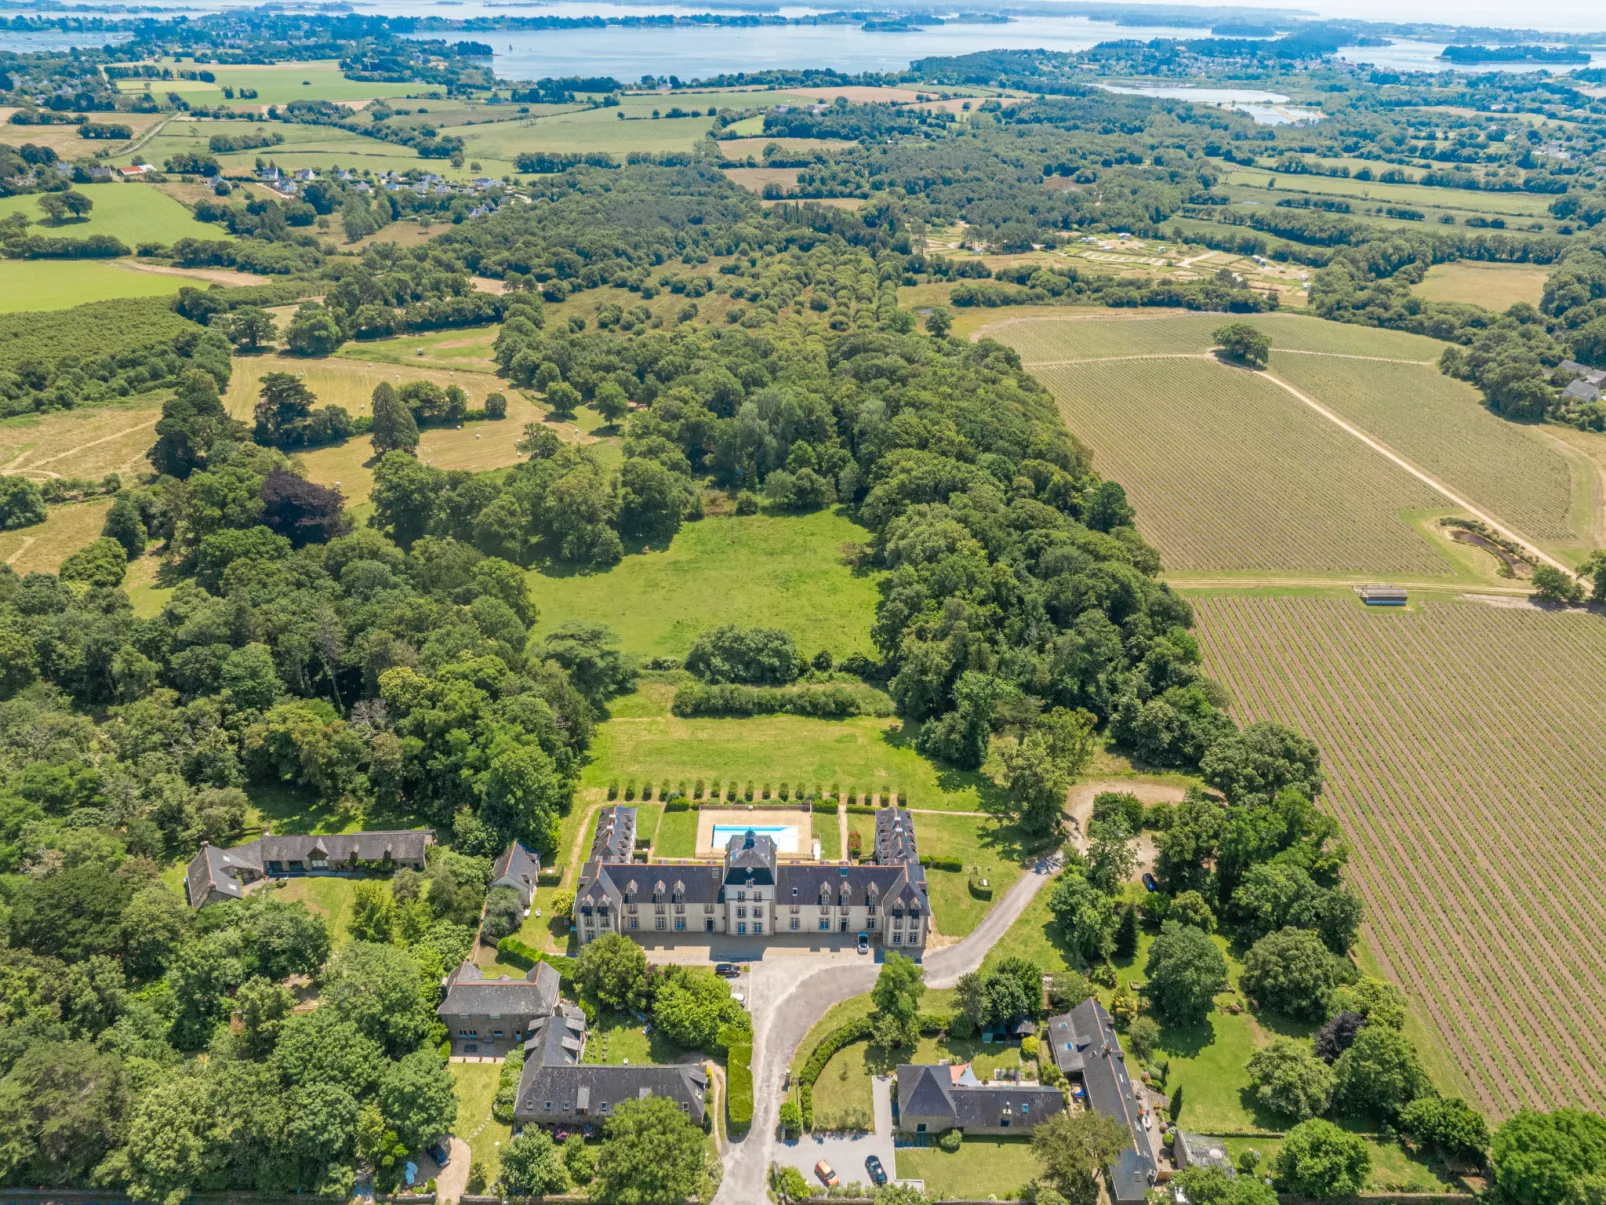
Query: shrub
(697, 789)
(791, 1184)
(933, 863)
(630, 790)
(748, 794)
(848, 1121)
(1028, 1046)
(855, 844)
(853, 1031)
(507, 1086)
(504, 912)
(515, 951)
(949, 1140)
(613, 790)
(791, 1117)
(739, 1078)
(784, 791)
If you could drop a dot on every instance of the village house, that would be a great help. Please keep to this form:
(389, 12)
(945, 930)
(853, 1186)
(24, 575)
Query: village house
(1088, 1051)
(937, 1097)
(223, 874)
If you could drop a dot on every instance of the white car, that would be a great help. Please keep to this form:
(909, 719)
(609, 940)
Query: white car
(739, 998)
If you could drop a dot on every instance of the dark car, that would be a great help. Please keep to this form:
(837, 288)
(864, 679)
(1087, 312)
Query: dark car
(728, 969)
(440, 1152)
(1148, 881)
(878, 1174)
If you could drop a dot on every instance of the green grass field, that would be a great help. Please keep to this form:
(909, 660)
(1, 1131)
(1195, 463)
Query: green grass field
(585, 130)
(862, 753)
(56, 284)
(329, 897)
(134, 213)
(476, 1092)
(773, 571)
(1252, 181)
(981, 1169)
(464, 349)
(277, 84)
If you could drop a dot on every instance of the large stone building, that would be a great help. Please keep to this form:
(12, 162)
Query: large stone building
(224, 874)
(937, 1097)
(491, 1016)
(751, 892)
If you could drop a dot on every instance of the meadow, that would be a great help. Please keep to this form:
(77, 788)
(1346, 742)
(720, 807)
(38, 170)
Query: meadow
(1495, 287)
(56, 284)
(1461, 748)
(42, 547)
(134, 213)
(784, 571)
(275, 84)
(66, 141)
(630, 127)
(1252, 182)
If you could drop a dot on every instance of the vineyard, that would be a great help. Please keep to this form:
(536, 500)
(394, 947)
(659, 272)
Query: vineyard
(1441, 425)
(1229, 473)
(1462, 750)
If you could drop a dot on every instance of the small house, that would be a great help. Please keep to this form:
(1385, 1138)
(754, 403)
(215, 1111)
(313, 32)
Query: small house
(517, 867)
(932, 1099)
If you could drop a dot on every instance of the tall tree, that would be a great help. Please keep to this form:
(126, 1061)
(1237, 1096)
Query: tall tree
(1186, 971)
(652, 1154)
(1074, 1147)
(395, 429)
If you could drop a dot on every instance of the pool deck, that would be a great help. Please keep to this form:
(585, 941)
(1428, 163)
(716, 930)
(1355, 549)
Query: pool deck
(757, 817)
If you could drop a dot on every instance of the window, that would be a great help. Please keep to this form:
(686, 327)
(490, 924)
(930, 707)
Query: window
(741, 926)
(680, 909)
(1003, 1123)
(794, 923)
(496, 1033)
(758, 926)
(658, 908)
(708, 924)
(495, 1016)
(635, 922)
(741, 912)
(659, 922)
(825, 924)
(320, 863)
(897, 939)
(680, 924)
(741, 897)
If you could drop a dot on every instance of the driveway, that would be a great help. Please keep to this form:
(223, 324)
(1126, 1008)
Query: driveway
(449, 1180)
(787, 995)
(846, 1153)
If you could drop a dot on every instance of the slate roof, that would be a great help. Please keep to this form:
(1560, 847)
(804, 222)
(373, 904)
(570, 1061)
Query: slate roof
(615, 837)
(927, 1092)
(517, 867)
(1595, 376)
(895, 837)
(1087, 1047)
(214, 869)
(1582, 391)
(558, 1040)
(601, 881)
(751, 859)
(590, 1092)
(802, 884)
(470, 993)
(400, 845)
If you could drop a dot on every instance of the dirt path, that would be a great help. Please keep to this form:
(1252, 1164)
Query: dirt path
(90, 444)
(1175, 355)
(1079, 807)
(21, 548)
(221, 276)
(1344, 355)
(842, 831)
(1421, 475)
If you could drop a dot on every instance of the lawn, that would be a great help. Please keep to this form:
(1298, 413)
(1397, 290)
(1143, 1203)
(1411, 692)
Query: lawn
(328, 896)
(677, 835)
(977, 841)
(982, 1168)
(757, 570)
(56, 284)
(862, 753)
(828, 833)
(614, 130)
(134, 213)
(465, 348)
(476, 1085)
(619, 1038)
(1493, 286)
(277, 84)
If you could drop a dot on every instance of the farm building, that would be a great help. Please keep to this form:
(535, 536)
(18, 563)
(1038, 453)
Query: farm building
(1382, 596)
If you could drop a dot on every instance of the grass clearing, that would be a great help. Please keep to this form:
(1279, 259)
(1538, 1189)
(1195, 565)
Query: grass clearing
(775, 571)
(56, 284)
(828, 834)
(275, 84)
(1495, 287)
(327, 895)
(1252, 182)
(134, 213)
(618, 1038)
(677, 835)
(42, 547)
(80, 443)
(614, 130)
(1461, 751)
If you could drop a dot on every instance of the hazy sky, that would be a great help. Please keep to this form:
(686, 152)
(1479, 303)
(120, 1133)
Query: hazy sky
(1580, 15)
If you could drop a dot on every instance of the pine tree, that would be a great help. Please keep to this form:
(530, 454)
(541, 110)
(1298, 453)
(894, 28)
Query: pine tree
(394, 428)
(1126, 933)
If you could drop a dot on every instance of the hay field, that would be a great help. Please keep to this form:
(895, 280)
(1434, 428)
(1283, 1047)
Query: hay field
(1229, 473)
(68, 143)
(585, 130)
(1461, 744)
(1495, 287)
(42, 547)
(80, 443)
(276, 84)
(135, 213)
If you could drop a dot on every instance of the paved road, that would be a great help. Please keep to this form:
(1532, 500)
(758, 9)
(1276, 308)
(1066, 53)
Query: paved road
(846, 1153)
(788, 995)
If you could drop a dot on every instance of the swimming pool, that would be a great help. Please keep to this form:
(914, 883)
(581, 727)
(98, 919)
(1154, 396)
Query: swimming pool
(784, 835)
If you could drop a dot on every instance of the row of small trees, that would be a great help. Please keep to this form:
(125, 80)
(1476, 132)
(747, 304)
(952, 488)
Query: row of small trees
(734, 792)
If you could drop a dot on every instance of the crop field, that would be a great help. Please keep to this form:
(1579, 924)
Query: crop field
(1441, 425)
(585, 130)
(1227, 472)
(1462, 753)
(68, 143)
(776, 571)
(322, 148)
(741, 148)
(134, 213)
(1495, 287)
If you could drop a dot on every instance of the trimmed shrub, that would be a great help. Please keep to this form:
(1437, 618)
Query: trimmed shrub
(739, 1080)
(853, 1031)
(678, 805)
(630, 790)
(931, 863)
(748, 794)
(860, 809)
(697, 789)
(515, 951)
(949, 1140)
(825, 805)
(507, 1086)
(784, 792)
(613, 789)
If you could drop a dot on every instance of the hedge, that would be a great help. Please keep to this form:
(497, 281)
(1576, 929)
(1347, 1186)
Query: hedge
(825, 805)
(696, 698)
(526, 956)
(861, 809)
(739, 1085)
(679, 804)
(931, 863)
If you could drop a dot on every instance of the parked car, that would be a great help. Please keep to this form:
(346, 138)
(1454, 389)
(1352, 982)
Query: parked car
(823, 1170)
(864, 943)
(739, 998)
(878, 1174)
(440, 1151)
(727, 970)
(1148, 881)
